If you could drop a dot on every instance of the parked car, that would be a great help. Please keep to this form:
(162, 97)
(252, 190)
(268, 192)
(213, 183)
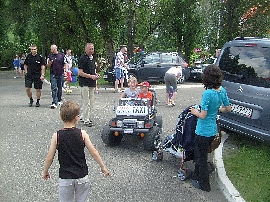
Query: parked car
(245, 63)
(197, 70)
(151, 67)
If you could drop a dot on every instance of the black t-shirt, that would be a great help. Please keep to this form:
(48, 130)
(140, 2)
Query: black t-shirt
(34, 64)
(88, 66)
(71, 156)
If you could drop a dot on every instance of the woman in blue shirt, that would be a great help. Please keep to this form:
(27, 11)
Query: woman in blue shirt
(214, 99)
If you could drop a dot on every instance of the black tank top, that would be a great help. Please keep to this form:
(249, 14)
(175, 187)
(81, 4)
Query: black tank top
(71, 156)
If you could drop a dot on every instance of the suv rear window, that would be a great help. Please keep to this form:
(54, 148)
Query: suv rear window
(246, 64)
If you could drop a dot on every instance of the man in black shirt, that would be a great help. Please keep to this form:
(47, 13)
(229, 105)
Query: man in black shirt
(34, 67)
(87, 82)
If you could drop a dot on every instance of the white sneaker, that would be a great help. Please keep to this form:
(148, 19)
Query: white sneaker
(53, 106)
(60, 103)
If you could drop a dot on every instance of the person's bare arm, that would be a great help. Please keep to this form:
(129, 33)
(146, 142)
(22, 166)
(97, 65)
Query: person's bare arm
(94, 153)
(83, 74)
(200, 114)
(225, 109)
(49, 158)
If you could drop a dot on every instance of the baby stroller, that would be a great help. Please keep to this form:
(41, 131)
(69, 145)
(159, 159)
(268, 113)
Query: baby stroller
(181, 144)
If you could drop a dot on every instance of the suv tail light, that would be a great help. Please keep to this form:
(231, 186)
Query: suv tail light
(250, 44)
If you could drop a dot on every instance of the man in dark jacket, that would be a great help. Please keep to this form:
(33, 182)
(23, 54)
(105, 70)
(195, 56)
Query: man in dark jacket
(87, 82)
(58, 65)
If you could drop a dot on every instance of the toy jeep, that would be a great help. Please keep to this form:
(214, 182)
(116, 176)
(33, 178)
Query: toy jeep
(134, 117)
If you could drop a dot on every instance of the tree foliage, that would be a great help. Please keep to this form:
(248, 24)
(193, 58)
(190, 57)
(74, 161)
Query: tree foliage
(155, 25)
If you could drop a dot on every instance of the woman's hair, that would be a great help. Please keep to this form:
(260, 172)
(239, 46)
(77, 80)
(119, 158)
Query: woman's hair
(212, 77)
(69, 110)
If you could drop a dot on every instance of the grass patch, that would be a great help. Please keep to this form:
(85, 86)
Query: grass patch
(248, 168)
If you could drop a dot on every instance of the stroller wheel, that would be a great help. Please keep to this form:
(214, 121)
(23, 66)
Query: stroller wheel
(157, 155)
(184, 174)
(160, 155)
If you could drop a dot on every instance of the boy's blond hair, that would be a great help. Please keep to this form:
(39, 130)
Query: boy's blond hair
(132, 79)
(69, 110)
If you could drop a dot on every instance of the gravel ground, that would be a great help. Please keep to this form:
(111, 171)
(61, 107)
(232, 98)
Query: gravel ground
(25, 138)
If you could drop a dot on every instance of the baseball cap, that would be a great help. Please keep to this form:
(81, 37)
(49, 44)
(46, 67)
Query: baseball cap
(145, 83)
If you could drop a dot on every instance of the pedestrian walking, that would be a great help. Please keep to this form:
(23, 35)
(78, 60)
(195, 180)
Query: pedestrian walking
(34, 67)
(57, 64)
(22, 59)
(16, 65)
(70, 142)
(87, 82)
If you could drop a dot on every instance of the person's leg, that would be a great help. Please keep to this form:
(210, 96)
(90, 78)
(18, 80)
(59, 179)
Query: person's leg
(116, 83)
(173, 81)
(54, 89)
(167, 84)
(38, 86)
(85, 103)
(82, 104)
(91, 92)
(60, 80)
(66, 190)
(16, 72)
(117, 78)
(202, 165)
(28, 86)
(122, 83)
(82, 187)
(122, 80)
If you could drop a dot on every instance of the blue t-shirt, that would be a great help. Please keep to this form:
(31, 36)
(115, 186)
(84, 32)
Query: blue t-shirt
(211, 101)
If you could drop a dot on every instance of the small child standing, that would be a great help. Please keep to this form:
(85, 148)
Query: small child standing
(68, 79)
(132, 91)
(70, 143)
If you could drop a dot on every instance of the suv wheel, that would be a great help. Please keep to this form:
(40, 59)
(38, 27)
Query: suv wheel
(152, 139)
(109, 138)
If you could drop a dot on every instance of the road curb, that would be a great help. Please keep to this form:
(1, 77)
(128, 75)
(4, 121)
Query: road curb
(222, 179)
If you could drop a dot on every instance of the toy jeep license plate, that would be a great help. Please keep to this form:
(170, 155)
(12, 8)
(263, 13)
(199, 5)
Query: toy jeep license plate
(132, 110)
(128, 130)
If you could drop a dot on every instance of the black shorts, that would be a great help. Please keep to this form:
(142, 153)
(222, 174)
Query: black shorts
(29, 80)
(22, 66)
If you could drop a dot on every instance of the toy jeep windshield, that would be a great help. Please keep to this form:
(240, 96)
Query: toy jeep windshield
(134, 117)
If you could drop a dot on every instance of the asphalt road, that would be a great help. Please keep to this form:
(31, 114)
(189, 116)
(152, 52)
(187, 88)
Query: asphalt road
(25, 138)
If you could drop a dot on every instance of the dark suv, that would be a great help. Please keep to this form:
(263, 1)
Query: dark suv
(245, 63)
(152, 67)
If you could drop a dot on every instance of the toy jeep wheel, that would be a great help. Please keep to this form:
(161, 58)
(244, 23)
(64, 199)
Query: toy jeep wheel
(109, 138)
(151, 138)
(158, 120)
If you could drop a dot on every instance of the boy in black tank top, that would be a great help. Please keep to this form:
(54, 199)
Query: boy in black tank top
(70, 142)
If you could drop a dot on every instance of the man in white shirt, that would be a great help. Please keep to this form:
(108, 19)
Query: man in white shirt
(119, 67)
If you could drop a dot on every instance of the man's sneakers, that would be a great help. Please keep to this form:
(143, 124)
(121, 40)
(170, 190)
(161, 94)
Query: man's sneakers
(37, 104)
(88, 123)
(53, 106)
(31, 103)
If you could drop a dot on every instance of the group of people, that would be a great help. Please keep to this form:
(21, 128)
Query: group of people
(60, 67)
(18, 64)
(73, 169)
